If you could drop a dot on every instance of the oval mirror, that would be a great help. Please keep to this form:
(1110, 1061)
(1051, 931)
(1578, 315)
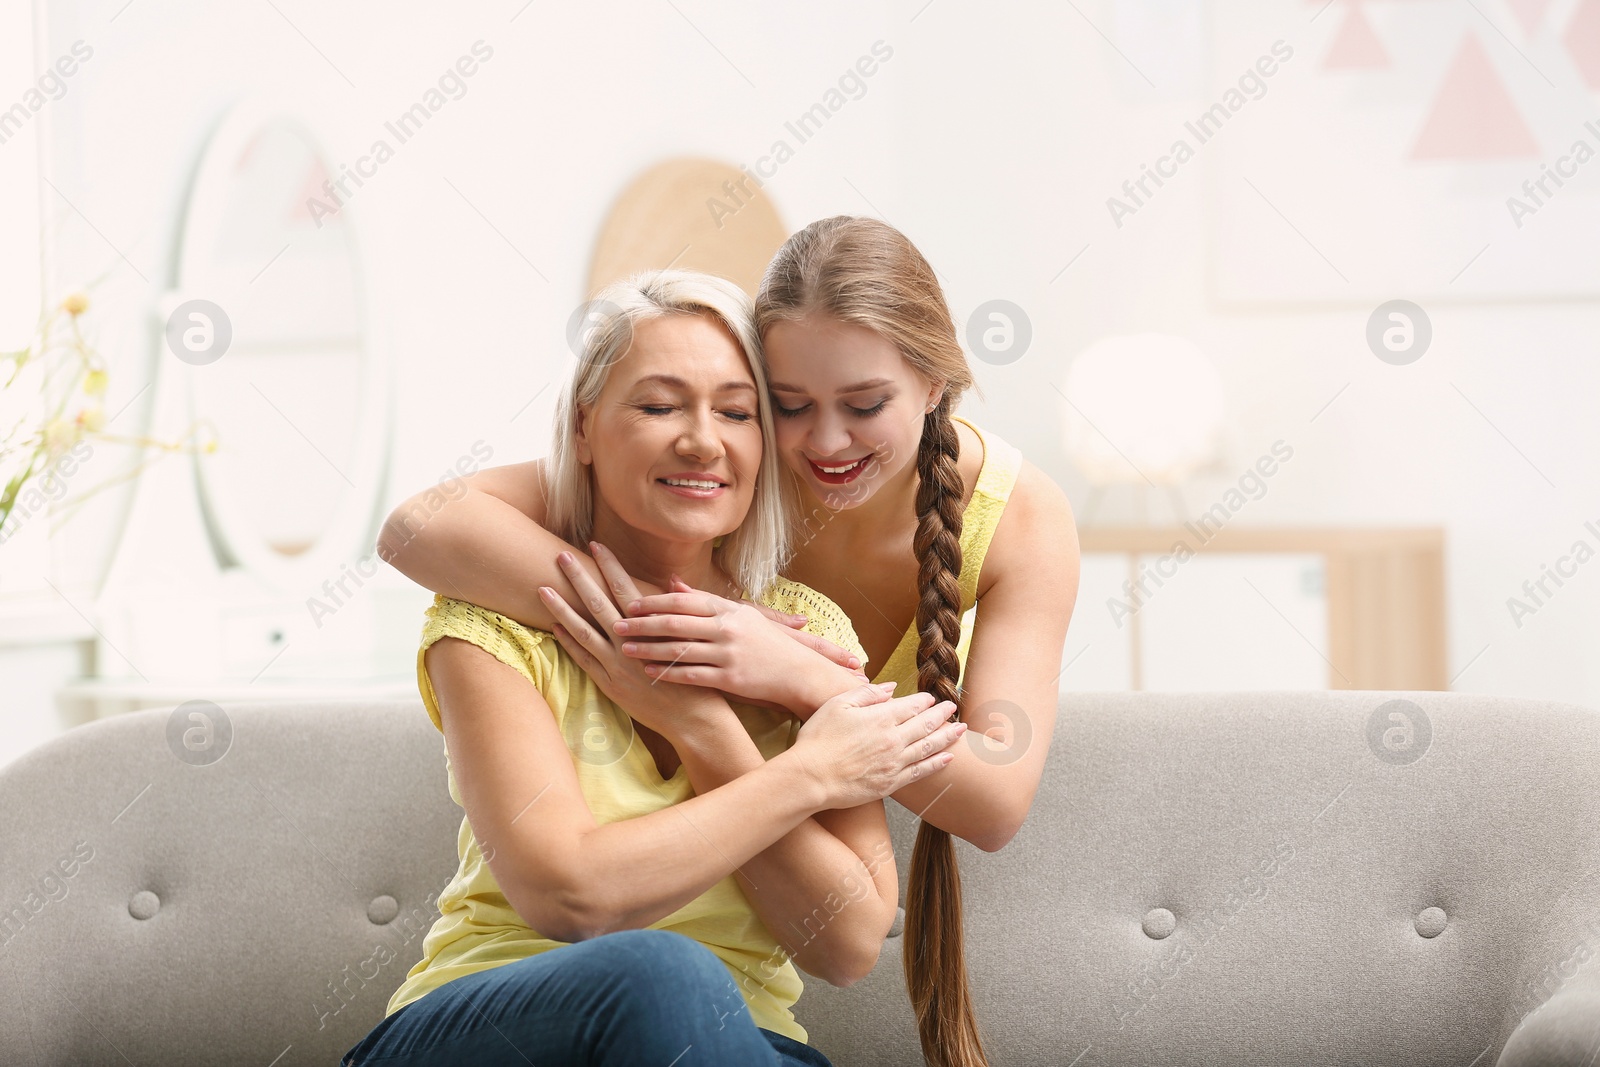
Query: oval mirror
(270, 321)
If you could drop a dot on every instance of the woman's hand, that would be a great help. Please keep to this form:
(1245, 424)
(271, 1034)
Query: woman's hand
(744, 649)
(665, 707)
(863, 745)
(795, 623)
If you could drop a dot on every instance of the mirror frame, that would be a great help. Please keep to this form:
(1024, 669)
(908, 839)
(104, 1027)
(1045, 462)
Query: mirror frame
(351, 531)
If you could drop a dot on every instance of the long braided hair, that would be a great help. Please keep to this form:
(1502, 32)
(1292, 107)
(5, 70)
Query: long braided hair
(866, 272)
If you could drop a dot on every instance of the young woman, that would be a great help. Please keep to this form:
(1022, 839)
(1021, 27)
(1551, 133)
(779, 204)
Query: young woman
(910, 516)
(606, 926)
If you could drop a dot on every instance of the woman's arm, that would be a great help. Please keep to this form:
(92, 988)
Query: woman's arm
(827, 889)
(1011, 686)
(482, 542)
(569, 878)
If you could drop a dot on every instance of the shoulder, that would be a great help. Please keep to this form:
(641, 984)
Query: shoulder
(824, 618)
(1039, 497)
(530, 652)
(1037, 536)
(972, 458)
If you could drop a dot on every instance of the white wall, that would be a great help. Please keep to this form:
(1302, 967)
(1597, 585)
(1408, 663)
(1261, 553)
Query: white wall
(992, 137)
(1005, 159)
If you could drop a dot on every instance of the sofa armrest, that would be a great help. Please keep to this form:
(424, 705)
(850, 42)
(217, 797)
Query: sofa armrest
(1564, 1030)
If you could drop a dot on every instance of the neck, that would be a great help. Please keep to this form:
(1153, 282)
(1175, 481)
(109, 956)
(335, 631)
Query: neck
(654, 559)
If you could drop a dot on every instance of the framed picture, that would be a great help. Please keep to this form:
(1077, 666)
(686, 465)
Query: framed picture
(1418, 149)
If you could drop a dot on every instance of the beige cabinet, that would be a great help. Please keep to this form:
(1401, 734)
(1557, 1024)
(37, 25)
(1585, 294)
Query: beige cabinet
(1295, 608)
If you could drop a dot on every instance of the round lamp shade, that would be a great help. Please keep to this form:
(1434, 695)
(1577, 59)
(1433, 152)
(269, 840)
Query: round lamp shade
(1142, 406)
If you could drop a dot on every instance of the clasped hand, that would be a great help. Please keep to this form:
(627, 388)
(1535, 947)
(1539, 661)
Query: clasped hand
(860, 745)
(748, 651)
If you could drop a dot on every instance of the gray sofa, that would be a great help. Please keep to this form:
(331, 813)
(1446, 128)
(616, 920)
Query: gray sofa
(1243, 878)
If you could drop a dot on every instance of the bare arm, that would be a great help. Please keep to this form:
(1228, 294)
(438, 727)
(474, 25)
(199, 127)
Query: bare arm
(572, 879)
(827, 889)
(567, 877)
(482, 541)
(1012, 679)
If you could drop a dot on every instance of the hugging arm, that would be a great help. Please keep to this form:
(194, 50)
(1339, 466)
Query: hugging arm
(1011, 686)
(827, 889)
(796, 883)
(483, 542)
(569, 878)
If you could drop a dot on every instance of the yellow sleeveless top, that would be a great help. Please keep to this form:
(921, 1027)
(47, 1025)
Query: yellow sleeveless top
(478, 929)
(996, 477)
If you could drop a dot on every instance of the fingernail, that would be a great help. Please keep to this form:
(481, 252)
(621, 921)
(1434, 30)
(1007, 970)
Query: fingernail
(634, 606)
(545, 591)
(854, 663)
(620, 626)
(629, 648)
(889, 686)
(564, 557)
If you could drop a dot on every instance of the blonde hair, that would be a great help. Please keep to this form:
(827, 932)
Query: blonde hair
(750, 555)
(866, 272)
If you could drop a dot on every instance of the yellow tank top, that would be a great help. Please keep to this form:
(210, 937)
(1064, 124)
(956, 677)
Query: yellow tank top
(997, 475)
(477, 928)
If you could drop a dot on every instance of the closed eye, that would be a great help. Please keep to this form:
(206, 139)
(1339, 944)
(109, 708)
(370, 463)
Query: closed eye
(666, 409)
(789, 413)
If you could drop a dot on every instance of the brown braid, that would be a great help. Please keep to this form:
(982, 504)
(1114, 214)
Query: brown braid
(938, 550)
(866, 272)
(935, 959)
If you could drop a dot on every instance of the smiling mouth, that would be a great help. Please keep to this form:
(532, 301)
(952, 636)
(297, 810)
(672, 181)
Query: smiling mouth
(693, 483)
(836, 473)
(694, 488)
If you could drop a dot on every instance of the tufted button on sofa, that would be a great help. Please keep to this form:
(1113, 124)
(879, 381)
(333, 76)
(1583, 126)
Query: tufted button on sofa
(1225, 879)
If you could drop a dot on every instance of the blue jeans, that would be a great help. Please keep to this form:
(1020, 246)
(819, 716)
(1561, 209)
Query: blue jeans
(634, 998)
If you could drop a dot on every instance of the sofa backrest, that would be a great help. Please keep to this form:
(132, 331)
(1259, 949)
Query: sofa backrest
(1328, 877)
(1269, 877)
(167, 906)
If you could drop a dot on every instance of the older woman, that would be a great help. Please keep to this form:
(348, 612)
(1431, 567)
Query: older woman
(595, 916)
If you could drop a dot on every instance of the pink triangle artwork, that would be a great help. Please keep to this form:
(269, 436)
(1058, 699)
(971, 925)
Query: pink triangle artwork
(1528, 12)
(1357, 46)
(1582, 39)
(1473, 115)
